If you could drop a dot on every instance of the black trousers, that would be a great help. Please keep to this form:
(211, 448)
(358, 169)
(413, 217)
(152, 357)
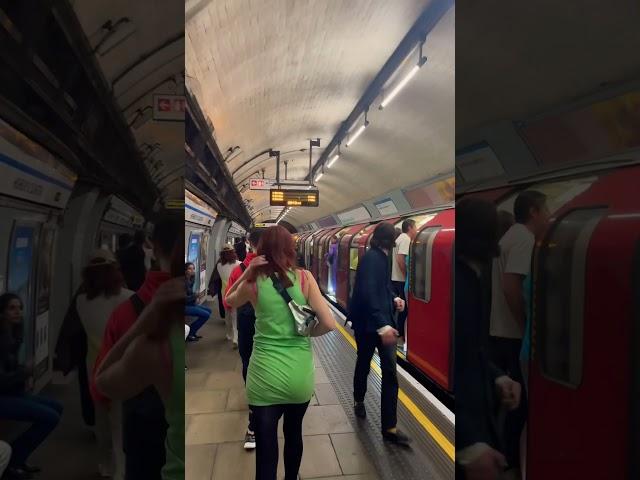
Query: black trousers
(367, 343)
(246, 330)
(398, 289)
(220, 304)
(266, 424)
(505, 354)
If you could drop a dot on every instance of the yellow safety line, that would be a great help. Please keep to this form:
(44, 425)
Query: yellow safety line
(418, 414)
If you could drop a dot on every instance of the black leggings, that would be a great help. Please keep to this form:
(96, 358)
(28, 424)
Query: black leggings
(266, 429)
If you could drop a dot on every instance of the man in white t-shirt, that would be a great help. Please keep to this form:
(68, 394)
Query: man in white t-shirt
(399, 269)
(508, 314)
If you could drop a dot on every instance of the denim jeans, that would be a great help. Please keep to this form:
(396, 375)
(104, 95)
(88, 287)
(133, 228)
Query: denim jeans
(43, 414)
(202, 314)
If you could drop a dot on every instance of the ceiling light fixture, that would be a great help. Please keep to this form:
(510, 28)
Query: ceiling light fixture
(335, 158)
(352, 138)
(421, 61)
(319, 176)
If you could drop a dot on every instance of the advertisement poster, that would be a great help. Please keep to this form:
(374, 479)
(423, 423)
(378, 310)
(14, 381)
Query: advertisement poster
(19, 279)
(43, 294)
(192, 256)
(386, 207)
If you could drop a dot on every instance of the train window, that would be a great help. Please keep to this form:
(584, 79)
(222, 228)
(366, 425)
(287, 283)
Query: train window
(561, 276)
(420, 267)
(558, 193)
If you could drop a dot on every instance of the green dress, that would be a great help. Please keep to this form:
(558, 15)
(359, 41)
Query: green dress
(281, 369)
(174, 411)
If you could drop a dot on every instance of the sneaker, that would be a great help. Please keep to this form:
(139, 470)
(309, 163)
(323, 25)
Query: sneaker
(360, 410)
(192, 338)
(396, 437)
(235, 345)
(249, 440)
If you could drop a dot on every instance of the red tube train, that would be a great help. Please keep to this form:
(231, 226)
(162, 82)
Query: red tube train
(584, 380)
(429, 329)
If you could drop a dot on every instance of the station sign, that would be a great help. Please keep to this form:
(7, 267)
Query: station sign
(294, 198)
(261, 184)
(169, 107)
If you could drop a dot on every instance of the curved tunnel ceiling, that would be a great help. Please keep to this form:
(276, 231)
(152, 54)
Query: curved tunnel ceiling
(139, 64)
(573, 57)
(273, 78)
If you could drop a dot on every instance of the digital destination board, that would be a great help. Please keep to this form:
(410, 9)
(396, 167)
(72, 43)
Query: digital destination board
(294, 198)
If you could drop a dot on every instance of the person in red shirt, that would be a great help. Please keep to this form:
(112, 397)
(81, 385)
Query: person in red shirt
(143, 426)
(246, 320)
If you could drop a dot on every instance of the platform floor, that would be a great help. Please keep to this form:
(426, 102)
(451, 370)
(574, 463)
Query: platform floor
(216, 420)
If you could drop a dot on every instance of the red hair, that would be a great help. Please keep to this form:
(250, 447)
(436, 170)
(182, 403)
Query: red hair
(278, 247)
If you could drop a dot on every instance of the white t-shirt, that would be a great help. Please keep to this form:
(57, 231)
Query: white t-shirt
(403, 242)
(94, 315)
(516, 248)
(225, 273)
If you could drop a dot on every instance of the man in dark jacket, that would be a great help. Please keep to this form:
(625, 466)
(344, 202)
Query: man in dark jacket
(480, 386)
(132, 262)
(371, 313)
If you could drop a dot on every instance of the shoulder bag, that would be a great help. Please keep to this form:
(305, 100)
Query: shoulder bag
(304, 317)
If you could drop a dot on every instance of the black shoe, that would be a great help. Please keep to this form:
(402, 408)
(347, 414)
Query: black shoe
(31, 468)
(198, 336)
(192, 338)
(359, 410)
(396, 437)
(249, 441)
(17, 473)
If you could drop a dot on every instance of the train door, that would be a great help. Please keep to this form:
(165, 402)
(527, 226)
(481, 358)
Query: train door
(204, 245)
(429, 329)
(30, 238)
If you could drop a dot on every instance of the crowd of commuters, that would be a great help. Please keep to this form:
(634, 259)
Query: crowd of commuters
(123, 334)
(492, 323)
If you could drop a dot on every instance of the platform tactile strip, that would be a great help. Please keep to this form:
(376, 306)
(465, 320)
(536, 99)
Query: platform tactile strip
(424, 460)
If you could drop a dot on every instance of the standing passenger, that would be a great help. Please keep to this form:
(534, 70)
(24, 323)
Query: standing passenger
(228, 262)
(371, 312)
(103, 292)
(508, 316)
(399, 269)
(280, 379)
(144, 425)
(246, 320)
(132, 262)
(480, 386)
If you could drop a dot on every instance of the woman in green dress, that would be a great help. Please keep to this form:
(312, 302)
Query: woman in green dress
(280, 378)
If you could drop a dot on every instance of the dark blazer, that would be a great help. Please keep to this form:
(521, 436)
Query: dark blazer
(371, 305)
(475, 375)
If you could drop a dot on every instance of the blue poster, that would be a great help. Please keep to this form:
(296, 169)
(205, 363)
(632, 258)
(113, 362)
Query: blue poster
(192, 256)
(19, 280)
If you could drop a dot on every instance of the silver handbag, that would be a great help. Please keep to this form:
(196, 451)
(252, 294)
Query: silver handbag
(304, 318)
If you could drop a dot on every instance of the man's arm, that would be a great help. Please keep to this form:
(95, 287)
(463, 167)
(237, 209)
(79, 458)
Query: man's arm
(402, 263)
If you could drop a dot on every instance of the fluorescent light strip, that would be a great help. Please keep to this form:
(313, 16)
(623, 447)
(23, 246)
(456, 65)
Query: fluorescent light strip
(400, 85)
(318, 177)
(356, 135)
(333, 160)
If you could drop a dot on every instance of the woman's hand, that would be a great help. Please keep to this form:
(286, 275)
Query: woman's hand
(257, 263)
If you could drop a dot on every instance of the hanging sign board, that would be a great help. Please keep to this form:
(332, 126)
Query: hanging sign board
(294, 198)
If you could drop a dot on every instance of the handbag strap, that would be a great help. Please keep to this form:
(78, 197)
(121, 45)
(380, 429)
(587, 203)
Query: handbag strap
(277, 284)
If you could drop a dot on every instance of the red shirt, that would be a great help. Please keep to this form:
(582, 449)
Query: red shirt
(120, 321)
(236, 273)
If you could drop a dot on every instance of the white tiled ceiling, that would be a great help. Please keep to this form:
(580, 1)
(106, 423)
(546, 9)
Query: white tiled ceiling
(272, 74)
